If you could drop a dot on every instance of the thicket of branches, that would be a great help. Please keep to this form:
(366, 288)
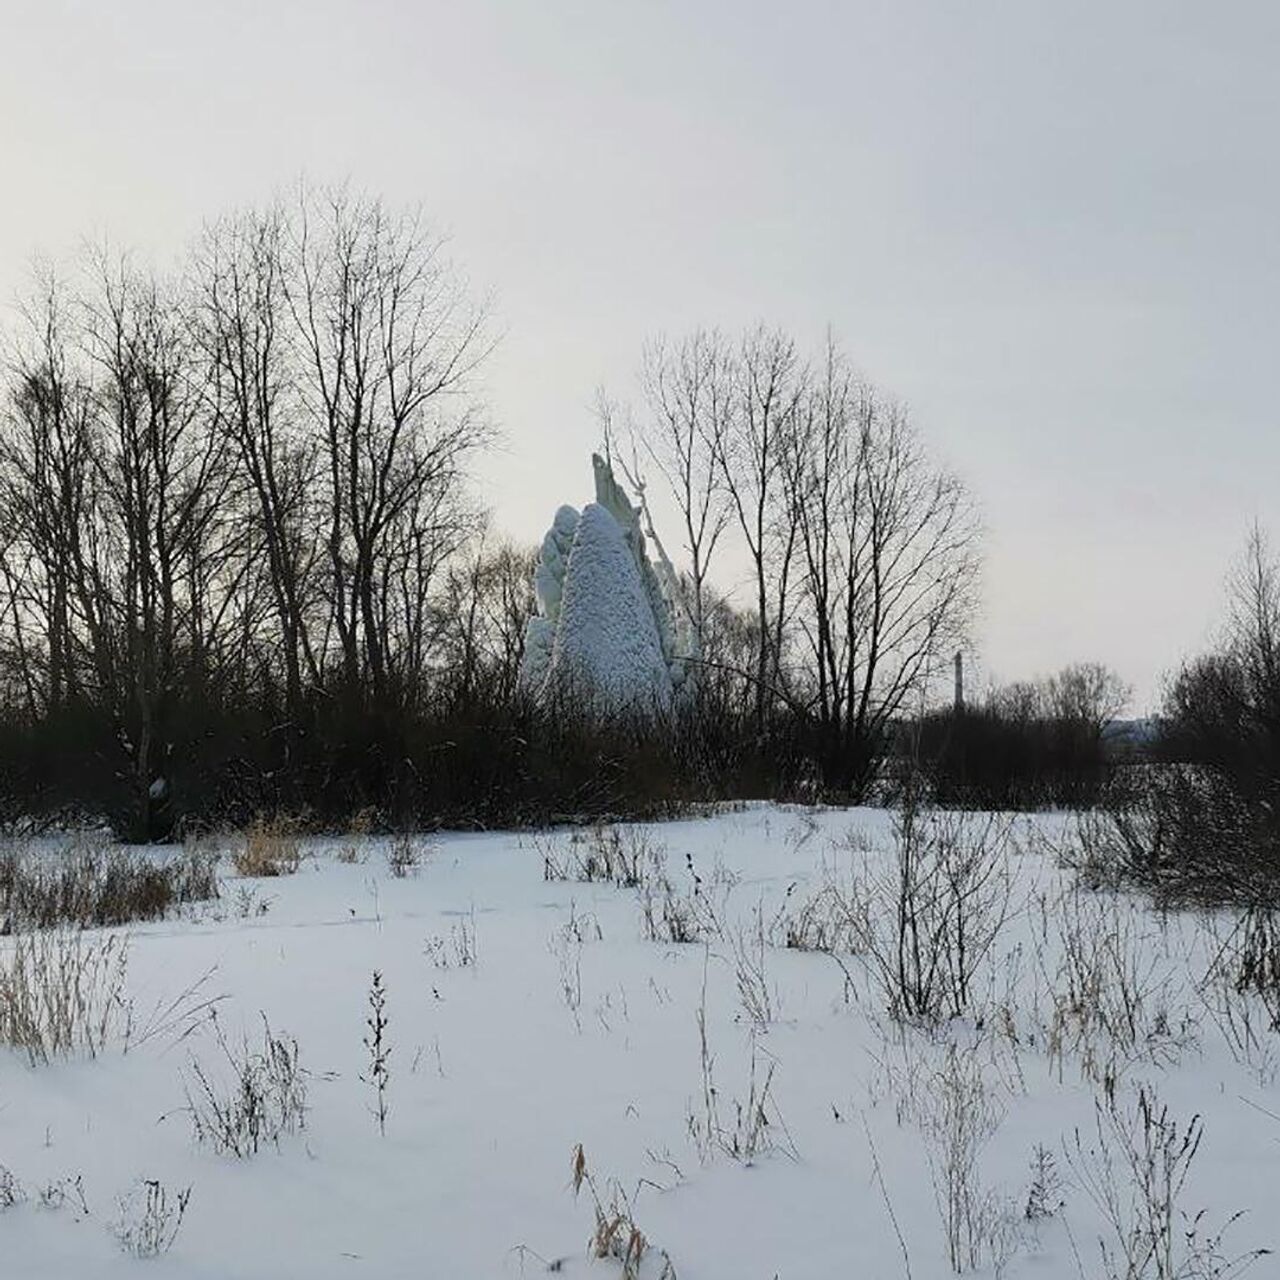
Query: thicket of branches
(861, 552)
(1028, 745)
(1204, 822)
(233, 518)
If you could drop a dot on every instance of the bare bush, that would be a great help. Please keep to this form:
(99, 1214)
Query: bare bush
(934, 914)
(1241, 988)
(150, 1217)
(258, 1095)
(63, 992)
(1096, 850)
(1134, 1169)
(1257, 962)
(404, 857)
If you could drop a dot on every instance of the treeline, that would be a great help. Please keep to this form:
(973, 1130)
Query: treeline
(242, 569)
(1041, 744)
(238, 548)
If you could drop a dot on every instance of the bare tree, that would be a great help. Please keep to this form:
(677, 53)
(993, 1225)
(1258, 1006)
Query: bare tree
(241, 486)
(47, 487)
(768, 385)
(241, 324)
(389, 342)
(689, 390)
(1087, 694)
(170, 561)
(888, 562)
(481, 619)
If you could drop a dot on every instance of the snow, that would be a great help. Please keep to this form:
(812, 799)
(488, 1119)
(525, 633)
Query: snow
(570, 1027)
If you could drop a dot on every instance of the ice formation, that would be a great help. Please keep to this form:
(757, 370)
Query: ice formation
(609, 626)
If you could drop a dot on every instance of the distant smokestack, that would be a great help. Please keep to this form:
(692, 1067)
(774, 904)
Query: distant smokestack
(959, 682)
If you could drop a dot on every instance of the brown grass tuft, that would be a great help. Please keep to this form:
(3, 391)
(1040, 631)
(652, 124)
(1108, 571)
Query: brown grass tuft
(270, 848)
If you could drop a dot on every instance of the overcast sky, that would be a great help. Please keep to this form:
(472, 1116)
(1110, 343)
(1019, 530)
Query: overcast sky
(1052, 229)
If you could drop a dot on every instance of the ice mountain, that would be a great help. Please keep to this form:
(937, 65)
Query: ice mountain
(607, 628)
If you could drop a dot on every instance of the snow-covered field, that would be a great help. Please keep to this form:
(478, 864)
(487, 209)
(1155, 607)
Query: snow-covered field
(526, 1016)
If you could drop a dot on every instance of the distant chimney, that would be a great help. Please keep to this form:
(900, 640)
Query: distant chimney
(959, 682)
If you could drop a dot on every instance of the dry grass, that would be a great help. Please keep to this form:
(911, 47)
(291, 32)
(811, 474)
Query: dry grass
(62, 992)
(1116, 996)
(756, 1127)
(363, 823)
(270, 848)
(626, 857)
(91, 885)
(616, 1236)
(961, 1115)
(828, 921)
(458, 949)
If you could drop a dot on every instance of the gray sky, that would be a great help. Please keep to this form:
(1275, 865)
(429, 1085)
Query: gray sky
(1052, 229)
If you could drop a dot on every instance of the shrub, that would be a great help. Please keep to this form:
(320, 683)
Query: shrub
(933, 915)
(1204, 824)
(1134, 1170)
(403, 856)
(258, 1096)
(150, 1217)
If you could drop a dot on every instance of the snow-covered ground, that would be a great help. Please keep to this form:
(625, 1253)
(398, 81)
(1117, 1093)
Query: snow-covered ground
(527, 1016)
